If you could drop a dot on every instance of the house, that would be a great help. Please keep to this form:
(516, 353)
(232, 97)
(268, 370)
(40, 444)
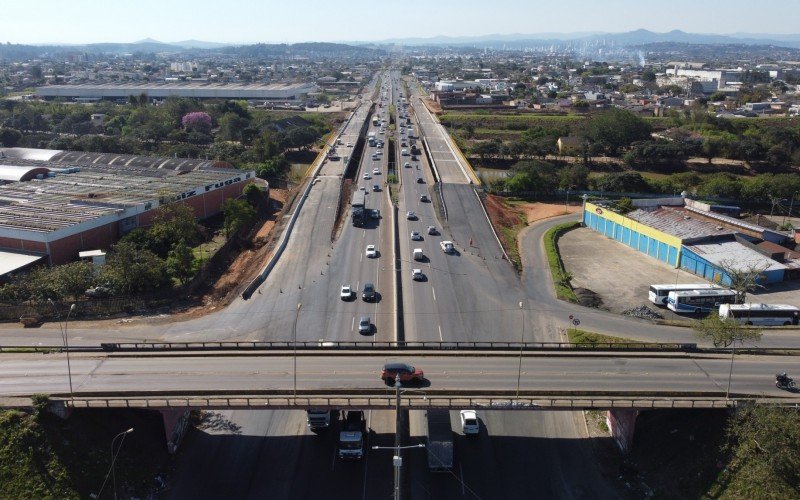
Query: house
(569, 145)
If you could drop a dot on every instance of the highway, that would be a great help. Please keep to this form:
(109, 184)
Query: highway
(471, 295)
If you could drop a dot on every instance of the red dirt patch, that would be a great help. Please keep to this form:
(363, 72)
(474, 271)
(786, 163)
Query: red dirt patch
(501, 213)
(538, 211)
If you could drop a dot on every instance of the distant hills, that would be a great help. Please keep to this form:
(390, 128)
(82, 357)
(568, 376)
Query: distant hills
(630, 38)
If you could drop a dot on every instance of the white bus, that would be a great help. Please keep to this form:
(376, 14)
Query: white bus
(658, 293)
(699, 301)
(761, 314)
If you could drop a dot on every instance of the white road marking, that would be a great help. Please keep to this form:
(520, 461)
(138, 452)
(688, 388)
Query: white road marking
(353, 323)
(441, 339)
(461, 471)
(434, 293)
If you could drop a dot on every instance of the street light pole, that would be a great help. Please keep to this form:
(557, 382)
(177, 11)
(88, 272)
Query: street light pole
(730, 373)
(294, 342)
(397, 460)
(65, 340)
(111, 472)
(521, 341)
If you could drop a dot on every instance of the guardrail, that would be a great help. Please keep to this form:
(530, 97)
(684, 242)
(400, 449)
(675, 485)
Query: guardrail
(359, 345)
(416, 402)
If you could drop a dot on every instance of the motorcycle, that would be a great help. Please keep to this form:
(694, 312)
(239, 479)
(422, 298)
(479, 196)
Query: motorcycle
(784, 382)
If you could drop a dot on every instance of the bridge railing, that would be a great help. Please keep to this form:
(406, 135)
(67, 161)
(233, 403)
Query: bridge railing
(302, 402)
(399, 346)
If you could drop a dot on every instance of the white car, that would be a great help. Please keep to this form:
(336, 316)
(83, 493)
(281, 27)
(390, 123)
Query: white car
(406, 165)
(346, 293)
(371, 251)
(411, 215)
(367, 176)
(349, 145)
(416, 275)
(469, 422)
(416, 236)
(376, 171)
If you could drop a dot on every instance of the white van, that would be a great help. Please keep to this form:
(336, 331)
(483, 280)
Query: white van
(418, 255)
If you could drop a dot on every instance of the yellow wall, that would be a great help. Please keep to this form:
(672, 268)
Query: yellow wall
(648, 231)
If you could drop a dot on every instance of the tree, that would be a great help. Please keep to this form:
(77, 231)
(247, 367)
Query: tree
(9, 137)
(574, 177)
(180, 262)
(172, 223)
(743, 279)
(131, 269)
(764, 445)
(238, 214)
(622, 182)
(724, 331)
(253, 193)
(615, 129)
(197, 120)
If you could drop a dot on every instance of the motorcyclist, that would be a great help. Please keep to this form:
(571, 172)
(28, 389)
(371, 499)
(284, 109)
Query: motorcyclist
(782, 378)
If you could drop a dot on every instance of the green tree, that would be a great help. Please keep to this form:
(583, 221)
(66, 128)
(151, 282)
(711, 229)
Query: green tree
(180, 262)
(622, 182)
(254, 194)
(131, 269)
(615, 129)
(764, 444)
(724, 331)
(9, 137)
(574, 177)
(238, 215)
(172, 223)
(721, 185)
(71, 280)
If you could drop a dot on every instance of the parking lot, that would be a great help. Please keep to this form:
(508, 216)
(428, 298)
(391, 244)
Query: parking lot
(621, 276)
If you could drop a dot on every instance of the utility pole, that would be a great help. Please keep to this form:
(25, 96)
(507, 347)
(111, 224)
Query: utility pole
(294, 336)
(397, 460)
(521, 343)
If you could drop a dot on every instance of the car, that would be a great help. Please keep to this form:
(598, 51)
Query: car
(371, 251)
(432, 230)
(375, 213)
(374, 156)
(404, 152)
(403, 144)
(364, 325)
(414, 158)
(346, 292)
(420, 180)
(416, 236)
(411, 215)
(469, 422)
(368, 293)
(367, 176)
(379, 152)
(423, 198)
(376, 171)
(407, 165)
(406, 372)
(376, 187)
(416, 275)
(349, 145)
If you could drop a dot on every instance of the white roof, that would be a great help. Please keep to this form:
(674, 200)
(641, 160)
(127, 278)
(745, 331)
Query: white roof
(735, 254)
(11, 261)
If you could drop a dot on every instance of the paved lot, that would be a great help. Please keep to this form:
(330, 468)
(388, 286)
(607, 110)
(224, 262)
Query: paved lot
(622, 276)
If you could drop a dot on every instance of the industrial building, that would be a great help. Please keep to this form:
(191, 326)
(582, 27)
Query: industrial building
(700, 238)
(198, 90)
(55, 204)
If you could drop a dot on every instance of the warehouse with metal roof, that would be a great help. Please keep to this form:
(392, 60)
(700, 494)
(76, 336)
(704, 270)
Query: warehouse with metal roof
(197, 90)
(83, 201)
(692, 236)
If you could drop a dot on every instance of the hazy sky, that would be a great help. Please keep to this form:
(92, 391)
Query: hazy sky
(85, 21)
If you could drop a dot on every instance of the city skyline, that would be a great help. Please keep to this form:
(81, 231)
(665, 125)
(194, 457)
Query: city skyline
(247, 21)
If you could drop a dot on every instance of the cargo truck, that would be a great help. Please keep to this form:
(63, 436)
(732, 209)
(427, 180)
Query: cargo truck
(439, 440)
(318, 420)
(351, 437)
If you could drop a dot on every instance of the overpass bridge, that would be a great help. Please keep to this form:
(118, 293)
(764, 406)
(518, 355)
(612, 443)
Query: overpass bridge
(176, 379)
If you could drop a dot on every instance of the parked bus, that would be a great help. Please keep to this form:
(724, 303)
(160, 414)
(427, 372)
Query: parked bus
(699, 301)
(761, 314)
(658, 293)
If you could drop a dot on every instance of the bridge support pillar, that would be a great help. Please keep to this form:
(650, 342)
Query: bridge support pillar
(175, 424)
(622, 424)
